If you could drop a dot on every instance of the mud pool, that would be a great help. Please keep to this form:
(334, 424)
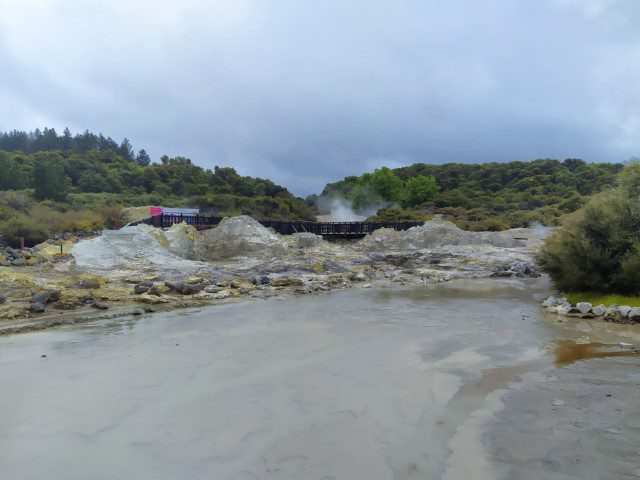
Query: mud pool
(467, 379)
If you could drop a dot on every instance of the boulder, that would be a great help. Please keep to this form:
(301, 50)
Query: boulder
(19, 262)
(37, 307)
(584, 307)
(40, 297)
(221, 294)
(137, 311)
(3, 299)
(188, 289)
(624, 310)
(563, 309)
(174, 286)
(100, 305)
(599, 310)
(552, 309)
(155, 291)
(634, 314)
(550, 301)
(140, 288)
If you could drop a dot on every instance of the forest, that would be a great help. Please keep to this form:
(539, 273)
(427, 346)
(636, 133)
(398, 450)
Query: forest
(51, 183)
(488, 196)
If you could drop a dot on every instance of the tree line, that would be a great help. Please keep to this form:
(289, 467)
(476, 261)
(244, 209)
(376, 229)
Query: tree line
(48, 140)
(488, 196)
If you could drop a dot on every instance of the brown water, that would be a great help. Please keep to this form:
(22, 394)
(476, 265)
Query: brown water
(460, 380)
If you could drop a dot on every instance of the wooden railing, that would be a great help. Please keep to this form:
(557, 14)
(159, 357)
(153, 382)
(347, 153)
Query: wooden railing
(284, 227)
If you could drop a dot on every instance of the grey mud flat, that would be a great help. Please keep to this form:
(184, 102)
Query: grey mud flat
(460, 380)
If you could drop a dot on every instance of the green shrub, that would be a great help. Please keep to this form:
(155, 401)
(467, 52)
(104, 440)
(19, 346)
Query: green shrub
(398, 215)
(597, 247)
(30, 228)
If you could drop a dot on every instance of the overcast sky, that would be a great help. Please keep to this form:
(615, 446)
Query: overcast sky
(305, 92)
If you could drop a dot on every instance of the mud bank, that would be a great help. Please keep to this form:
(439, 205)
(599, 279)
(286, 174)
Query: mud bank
(465, 379)
(144, 267)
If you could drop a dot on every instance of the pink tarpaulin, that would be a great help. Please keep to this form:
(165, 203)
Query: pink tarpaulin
(156, 211)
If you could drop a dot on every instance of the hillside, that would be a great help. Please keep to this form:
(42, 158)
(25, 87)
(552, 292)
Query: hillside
(493, 196)
(82, 187)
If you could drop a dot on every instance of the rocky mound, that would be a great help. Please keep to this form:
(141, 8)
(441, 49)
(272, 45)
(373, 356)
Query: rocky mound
(432, 234)
(238, 237)
(181, 238)
(121, 248)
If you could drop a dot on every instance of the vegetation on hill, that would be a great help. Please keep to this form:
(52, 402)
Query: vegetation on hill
(83, 186)
(598, 247)
(490, 196)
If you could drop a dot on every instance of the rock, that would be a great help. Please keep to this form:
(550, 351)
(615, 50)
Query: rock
(146, 283)
(612, 309)
(552, 309)
(599, 310)
(19, 262)
(5, 264)
(188, 289)
(304, 240)
(550, 301)
(584, 307)
(101, 305)
(54, 295)
(90, 282)
(286, 282)
(634, 314)
(558, 403)
(41, 297)
(31, 261)
(359, 277)
(221, 294)
(625, 345)
(562, 301)
(264, 280)
(212, 289)
(154, 291)
(137, 311)
(624, 310)
(140, 288)
(174, 286)
(563, 309)
(37, 307)
(3, 299)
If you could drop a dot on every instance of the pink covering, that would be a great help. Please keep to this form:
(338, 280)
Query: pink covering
(156, 211)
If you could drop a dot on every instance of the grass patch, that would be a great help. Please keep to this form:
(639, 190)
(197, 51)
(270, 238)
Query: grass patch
(597, 298)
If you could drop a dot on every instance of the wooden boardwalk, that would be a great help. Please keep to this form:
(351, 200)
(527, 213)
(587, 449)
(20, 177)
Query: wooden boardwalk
(285, 227)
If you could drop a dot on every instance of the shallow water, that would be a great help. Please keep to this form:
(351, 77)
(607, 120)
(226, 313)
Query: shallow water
(458, 380)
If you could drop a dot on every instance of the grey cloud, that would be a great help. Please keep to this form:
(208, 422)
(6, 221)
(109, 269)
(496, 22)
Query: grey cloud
(307, 92)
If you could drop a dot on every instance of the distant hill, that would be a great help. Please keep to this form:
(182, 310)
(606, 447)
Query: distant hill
(51, 183)
(494, 196)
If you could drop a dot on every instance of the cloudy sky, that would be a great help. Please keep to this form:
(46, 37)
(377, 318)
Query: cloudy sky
(308, 91)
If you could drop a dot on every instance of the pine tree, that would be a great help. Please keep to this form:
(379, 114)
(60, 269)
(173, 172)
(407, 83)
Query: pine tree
(126, 150)
(66, 141)
(143, 158)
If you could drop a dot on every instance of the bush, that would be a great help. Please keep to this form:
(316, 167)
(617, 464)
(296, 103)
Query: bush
(398, 215)
(30, 228)
(597, 247)
(490, 225)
